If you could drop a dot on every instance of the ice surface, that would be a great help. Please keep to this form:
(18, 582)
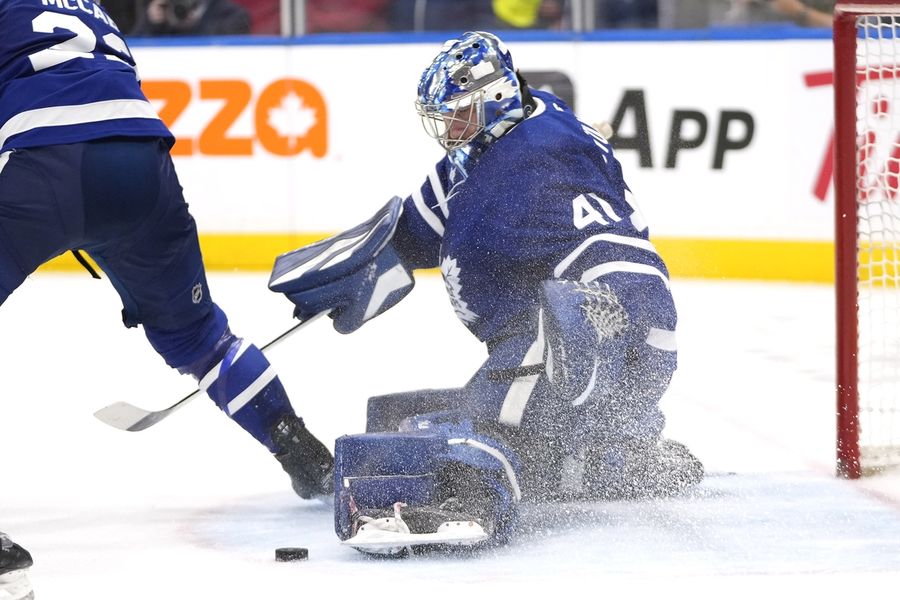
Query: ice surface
(194, 508)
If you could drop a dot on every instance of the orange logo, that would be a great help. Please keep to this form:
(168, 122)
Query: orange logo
(289, 116)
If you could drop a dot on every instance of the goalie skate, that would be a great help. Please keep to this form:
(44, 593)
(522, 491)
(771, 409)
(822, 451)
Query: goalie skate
(418, 528)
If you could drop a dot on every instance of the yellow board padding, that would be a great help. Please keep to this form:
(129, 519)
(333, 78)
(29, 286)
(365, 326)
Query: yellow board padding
(777, 260)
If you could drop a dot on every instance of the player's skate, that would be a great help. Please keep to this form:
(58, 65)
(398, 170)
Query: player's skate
(14, 564)
(642, 470)
(306, 459)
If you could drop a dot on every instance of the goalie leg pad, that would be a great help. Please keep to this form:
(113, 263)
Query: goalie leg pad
(586, 329)
(376, 470)
(600, 362)
(385, 413)
(437, 482)
(639, 468)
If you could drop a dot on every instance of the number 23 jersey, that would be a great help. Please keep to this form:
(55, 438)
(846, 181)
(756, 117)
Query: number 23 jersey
(66, 76)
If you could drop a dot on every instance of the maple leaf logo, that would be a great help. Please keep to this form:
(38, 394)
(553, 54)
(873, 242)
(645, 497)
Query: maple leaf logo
(451, 272)
(292, 119)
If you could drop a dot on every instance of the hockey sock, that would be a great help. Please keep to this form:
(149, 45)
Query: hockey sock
(244, 385)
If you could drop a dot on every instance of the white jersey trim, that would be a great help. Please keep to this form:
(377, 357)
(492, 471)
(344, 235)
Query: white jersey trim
(78, 114)
(438, 190)
(637, 217)
(622, 267)
(4, 158)
(429, 217)
(602, 237)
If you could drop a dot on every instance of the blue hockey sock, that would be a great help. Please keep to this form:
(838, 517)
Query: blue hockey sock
(245, 386)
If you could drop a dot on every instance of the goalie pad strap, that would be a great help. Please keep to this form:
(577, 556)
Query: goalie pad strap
(513, 373)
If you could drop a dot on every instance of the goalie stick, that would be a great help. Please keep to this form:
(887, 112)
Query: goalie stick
(129, 417)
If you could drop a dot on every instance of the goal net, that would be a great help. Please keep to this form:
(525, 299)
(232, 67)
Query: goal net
(867, 234)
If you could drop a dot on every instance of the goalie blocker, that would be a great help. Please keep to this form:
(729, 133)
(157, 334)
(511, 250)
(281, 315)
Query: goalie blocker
(356, 275)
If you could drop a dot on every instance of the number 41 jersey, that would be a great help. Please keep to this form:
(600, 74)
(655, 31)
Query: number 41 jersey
(66, 76)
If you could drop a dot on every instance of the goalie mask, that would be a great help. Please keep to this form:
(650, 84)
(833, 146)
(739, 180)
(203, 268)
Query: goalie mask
(470, 89)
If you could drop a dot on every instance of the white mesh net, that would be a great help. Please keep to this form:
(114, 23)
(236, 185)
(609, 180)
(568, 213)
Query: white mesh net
(878, 238)
(602, 309)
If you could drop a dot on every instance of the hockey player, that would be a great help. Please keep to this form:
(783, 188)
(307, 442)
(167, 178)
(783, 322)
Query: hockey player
(547, 260)
(84, 164)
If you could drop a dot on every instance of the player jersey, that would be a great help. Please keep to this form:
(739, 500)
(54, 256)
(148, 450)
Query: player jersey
(66, 75)
(546, 200)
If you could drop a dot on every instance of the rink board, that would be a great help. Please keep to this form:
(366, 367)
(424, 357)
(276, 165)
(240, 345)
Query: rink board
(725, 142)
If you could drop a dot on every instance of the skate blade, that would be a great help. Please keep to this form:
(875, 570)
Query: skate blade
(375, 539)
(15, 586)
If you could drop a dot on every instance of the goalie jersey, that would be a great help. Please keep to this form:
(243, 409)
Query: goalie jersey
(547, 200)
(66, 76)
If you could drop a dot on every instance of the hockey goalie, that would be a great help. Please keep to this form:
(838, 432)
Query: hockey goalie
(547, 260)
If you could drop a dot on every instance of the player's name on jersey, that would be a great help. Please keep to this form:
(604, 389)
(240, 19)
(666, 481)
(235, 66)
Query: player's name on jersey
(83, 6)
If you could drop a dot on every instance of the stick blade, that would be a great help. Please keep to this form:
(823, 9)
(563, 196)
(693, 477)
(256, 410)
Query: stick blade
(126, 417)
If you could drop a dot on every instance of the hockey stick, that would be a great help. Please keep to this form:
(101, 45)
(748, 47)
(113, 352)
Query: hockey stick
(129, 417)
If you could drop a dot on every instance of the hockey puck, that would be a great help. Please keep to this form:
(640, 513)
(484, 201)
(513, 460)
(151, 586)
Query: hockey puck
(291, 554)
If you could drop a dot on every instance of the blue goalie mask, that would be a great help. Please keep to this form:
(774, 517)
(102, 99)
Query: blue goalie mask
(470, 90)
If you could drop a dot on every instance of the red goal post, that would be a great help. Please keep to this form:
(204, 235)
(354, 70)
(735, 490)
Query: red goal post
(867, 234)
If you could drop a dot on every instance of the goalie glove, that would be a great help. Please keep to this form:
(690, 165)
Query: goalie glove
(587, 334)
(356, 275)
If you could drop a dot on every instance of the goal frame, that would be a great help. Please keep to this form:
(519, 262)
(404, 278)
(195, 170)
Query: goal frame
(845, 223)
